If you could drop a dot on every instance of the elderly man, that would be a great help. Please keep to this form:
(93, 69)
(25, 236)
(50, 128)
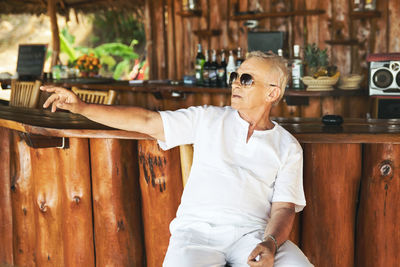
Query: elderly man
(245, 184)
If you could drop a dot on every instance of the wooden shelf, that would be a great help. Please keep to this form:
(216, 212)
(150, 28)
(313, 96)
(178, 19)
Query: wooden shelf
(335, 92)
(190, 13)
(370, 14)
(257, 16)
(207, 33)
(350, 42)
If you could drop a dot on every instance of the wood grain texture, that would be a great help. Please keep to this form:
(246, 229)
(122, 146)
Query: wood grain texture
(24, 209)
(179, 43)
(47, 182)
(312, 109)
(6, 221)
(295, 234)
(75, 190)
(161, 187)
(393, 26)
(378, 234)
(329, 219)
(340, 55)
(116, 203)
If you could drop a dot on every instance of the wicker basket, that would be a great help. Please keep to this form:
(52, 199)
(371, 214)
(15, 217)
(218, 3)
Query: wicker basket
(350, 82)
(323, 83)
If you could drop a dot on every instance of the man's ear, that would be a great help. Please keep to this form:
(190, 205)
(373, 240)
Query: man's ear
(273, 94)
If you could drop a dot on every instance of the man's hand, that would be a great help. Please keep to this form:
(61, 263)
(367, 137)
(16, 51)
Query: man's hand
(62, 99)
(265, 251)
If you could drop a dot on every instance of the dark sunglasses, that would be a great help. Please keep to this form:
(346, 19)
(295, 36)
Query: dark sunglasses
(245, 79)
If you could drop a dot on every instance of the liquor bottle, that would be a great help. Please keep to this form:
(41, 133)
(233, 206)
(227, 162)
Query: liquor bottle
(231, 67)
(239, 59)
(199, 65)
(212, 73)
(370, 4)
(206, 70)
(297, 69)
(358, 6)
(221, 78)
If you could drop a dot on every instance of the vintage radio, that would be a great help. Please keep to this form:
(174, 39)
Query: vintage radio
(384, 74)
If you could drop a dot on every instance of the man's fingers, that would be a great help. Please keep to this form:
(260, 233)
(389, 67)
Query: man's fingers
(254, 253)
(254, 263)
(50, 100)
(54, 106)
(52, 89)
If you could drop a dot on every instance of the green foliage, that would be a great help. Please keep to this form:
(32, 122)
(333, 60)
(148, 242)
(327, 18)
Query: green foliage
(116, 49)
(315, 57)
(123, 66)
(111, 26)
(115, 57)
(67, 36)
(66, 47)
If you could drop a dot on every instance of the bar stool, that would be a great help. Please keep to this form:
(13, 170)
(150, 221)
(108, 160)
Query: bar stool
(24, 94)
(96, 96)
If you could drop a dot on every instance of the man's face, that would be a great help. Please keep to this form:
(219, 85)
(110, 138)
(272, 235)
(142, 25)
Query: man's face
(254, 97)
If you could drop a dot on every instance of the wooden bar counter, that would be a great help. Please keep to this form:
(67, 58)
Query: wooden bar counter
(75, 193)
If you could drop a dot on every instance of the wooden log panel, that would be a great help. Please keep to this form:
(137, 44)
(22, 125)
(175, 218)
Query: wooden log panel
(179, 43)
(77, 222)
(23, 206)
(295, 234)
(332, 174)
(48, 213)
(6, 221)
(381, 36)
(393, 26)
(116, 203)
(340, 55)
(378, 234)
(312, 23)
(313, 109)
(170, 39)
(161, 187)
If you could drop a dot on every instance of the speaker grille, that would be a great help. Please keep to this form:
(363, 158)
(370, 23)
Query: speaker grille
(383, 78)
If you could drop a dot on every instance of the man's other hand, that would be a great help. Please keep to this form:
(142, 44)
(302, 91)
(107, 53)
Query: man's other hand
(62, 99)
(263, 255)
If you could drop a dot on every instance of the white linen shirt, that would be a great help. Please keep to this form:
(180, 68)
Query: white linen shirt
(232, 182)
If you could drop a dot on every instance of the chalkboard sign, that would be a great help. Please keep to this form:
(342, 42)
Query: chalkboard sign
(31, 59)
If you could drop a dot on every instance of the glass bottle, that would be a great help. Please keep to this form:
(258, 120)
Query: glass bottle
(297, 69)
(221, 78)
(239, 59)
(231, 67)
(206, 70)
(199, 65)
(212, 73)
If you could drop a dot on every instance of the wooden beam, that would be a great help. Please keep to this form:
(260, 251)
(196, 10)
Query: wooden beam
(51, 11)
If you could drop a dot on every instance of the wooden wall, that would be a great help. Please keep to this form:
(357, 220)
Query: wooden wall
(171, 38)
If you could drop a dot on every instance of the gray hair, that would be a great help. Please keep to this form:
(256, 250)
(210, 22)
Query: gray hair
(278, 63)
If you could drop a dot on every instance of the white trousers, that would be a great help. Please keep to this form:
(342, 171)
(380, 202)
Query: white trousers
(204, 245)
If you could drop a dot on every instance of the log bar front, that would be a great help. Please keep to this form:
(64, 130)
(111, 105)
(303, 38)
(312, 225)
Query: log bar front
(75, 193)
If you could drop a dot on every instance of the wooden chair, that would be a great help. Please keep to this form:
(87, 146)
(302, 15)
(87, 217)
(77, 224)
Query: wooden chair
(24, 94)
(95, 97)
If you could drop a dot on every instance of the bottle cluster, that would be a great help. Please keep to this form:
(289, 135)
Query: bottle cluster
(213, 73)
(296, 68)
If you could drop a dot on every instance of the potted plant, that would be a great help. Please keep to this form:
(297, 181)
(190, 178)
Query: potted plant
(321, 75)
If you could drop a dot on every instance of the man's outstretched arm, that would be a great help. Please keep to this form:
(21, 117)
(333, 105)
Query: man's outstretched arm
(279, 227)
(121, 117)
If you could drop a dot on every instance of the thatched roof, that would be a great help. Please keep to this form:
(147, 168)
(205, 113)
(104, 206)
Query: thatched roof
(40, 6)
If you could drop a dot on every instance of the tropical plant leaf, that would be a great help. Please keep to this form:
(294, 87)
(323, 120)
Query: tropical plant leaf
(116, 49)
(121, 67)
(66, 47)
(108, 60)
